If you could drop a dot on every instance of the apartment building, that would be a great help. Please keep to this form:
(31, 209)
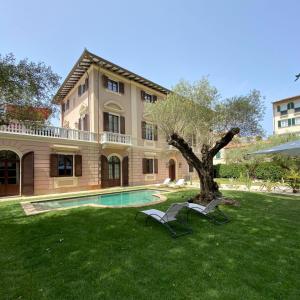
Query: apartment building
(286, 115)
(105, 138)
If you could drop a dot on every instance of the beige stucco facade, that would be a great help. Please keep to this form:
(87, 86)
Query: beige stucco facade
(92, 142)
(286, 115)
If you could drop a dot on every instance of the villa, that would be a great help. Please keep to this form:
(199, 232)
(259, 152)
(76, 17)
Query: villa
(105, 138)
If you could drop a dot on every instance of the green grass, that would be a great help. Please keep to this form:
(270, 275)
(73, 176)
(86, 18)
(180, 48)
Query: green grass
(89, 253)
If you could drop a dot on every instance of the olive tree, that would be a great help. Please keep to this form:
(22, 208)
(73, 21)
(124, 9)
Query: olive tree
(26, 90)
(196, 111)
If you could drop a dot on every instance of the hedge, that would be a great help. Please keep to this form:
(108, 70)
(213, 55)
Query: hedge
(265, 171)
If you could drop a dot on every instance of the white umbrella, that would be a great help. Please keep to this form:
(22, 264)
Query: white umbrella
(290, 148)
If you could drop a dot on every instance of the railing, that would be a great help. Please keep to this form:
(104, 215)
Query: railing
(115, 138)
(50, 131)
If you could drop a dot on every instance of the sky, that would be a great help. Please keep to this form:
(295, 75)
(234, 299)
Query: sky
(239, 44)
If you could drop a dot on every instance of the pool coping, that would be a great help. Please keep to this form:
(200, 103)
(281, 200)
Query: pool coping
(30, 210)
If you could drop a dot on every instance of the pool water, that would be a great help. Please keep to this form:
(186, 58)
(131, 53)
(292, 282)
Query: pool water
(129, 198)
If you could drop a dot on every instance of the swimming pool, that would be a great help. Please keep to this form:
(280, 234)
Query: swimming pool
(128, 198)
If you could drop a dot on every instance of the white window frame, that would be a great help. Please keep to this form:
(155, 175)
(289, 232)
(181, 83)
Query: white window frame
(284, 123)
(115, 81)
(149, 131)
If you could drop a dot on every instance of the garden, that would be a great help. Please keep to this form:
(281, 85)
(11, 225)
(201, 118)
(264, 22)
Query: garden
(90, 253)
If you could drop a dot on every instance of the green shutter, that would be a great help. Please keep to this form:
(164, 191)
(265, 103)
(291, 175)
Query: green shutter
(293, 121)
(279, 124)
(289, 106)
(289, 122)
(292, 105)
(278, 108)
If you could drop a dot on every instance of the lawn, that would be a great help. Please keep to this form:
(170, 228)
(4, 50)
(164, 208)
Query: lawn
(90, 253)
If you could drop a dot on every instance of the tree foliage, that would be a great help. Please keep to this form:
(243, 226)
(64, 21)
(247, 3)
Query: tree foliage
(26, 90)
(196, 111)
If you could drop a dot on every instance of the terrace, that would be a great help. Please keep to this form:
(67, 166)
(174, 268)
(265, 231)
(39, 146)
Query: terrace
(67, 134)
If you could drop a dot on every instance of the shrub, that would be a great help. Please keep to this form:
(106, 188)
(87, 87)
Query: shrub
(229, 170)
(269, 171)
(265, 171)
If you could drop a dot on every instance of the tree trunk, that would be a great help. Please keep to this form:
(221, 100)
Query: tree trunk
(209, 189)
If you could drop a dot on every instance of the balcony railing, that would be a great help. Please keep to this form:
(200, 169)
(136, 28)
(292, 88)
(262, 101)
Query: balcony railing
(66, 133)
(115, 138)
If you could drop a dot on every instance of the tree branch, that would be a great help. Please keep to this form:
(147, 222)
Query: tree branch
(186, 151)
(224, 141)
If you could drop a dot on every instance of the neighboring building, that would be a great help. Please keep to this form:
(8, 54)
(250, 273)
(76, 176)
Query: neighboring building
(105, 139)
(286, 115)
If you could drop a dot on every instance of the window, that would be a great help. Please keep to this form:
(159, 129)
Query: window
(63, 107)
(65, 165)
(113, 123)
(284, 123)
(297, 121)
(290, 105)
(68, 104)
(83, 87)
(150, 165)
(149, 134)
(148, 97)
(149, 131)
(113, 85)
(191, 168)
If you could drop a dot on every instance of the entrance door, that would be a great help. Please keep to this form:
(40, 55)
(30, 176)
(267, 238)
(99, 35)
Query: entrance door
(9, 173)
(172, 169)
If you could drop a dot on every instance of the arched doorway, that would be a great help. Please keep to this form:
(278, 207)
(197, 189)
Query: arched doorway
(9, 173)
(110, 171)
(172, 169)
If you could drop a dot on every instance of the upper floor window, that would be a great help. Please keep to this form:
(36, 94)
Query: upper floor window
(112, 85)
(113, 123)
(83, 87)
(149, 131)
(290, 105)
(148, 97)
(63, 107)
(297, 121)
(68, 104)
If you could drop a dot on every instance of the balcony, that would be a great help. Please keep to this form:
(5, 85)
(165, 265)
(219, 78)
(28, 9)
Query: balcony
(115, 140)
(106, 138)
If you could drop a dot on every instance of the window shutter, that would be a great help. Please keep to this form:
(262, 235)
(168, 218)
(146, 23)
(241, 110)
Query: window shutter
(155, 165)
(155, 133)
(122, 125)
(289, 122)
(191, 168)
(78, 165)
(121, 88)
(278, 108)
(79, 124)
(289, 106)
(86, 83)
(293, 121)
(125, 171)
(144, 165)
(28, 174)
(86, 122)
(143, 130)
(53, 165)
(105, 121)
(142, 95)
(292, 105)
(279, 124)
(154, 98)
(63, 107)
(104, 172)
(105, 81)
(79, 90)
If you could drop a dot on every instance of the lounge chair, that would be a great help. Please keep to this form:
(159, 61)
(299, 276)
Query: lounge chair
(165, 183)
(209, 211)
(178, 184)
(165, 218)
